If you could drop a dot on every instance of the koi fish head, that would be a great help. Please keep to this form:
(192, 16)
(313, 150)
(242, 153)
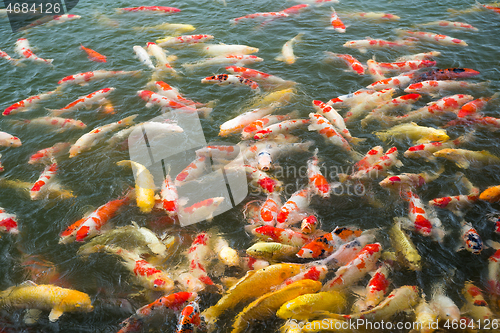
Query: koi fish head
(264, 161)
(145, 94)
(14, 141)
(76, 301)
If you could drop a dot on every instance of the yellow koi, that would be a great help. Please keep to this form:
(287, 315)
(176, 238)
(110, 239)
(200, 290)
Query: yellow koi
(414, 132)
(464, 158)
(309, 306)
(405, 248)
(144, 185)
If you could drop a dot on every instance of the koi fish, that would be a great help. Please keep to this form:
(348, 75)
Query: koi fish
(46, 297)
(236, 59)
(364, 262)
(458, 202)
(169, 196)
(84, 101)
(433, 88)
(409, 180)
(61, 124)
(492, 282)
(491, 194)
(404, 247)
(326, 129)
(263, 78)
(270, 208)
(282, 96)
(336, 23)
(144, 185)
(324, 245)
(193, 171)
(200, 211)
(225, 49)
(143, 56)
(317, 181)
(236, 124)
(333, 116)
(93, 55)
(426, 150)
(279, 128)
(15, 62)
(446, 308)
(375, 16)
(291, 211)
(251, 129)
(160, 9)
(450, 24)
(354, 64)
(84, 78)
(262, 179)
(47, 176)
(153, 98)
(8, 222)
(471, 239)
(197, 256)
(297, 8)
(168, 91)
(372, 156)
(264, 306)
(227, 255)
(475, 306)
(23, 49)
(375, 70)
(272, 251)
(287, 50)
(418, 215)
(266, 15)
(369, 103)
(446, 74)
(309, 306)
(406, 66)
(473, 108)
(433, 38)
(414, 132)
(283, 236)
(183, 40)
(226, 79)
(177, 27)
(189, 318)
(420, 56)
(8, 140)
(162, 61)
(28, 103)
(309, 224)
(90, 225)
(380, 112)
(377, 287)
(426, 315)
(493, 8)
(363, 45)
(464, 158)
(270, 152)
(147, 312)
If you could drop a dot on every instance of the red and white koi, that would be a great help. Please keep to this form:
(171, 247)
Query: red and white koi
(493, 279)
(474, 107)
(354, 64)
(287, 55)
(283, 236)
(251, 129)
(84, 101)
(168, 91)
(326, 129)
(90, 139)
(9, 59)
(8, 140)
(404, 102)
(336, 23)
(377, 169)
(312, 271)
(269, 209)
(8, 222)
(183, 40)
(369, 103)
(40, 186)
(261, 77)
(364, 262)
(433, 88)
(90, 225)
(336, 119)
(265, 15)
(458, 202)
(409, 180)
(28, 103)
(156, 9)
(351, 99)
(349, 250)
(227, 79)
(377, 287)
(421, 222)
(280, 128)
(375, 70)
(59, 123)
(226, 49)
(317, 181)
(324, 245)
(238, 123)
(309, 224)
(251, 263)
(84, 78)
(363, 45)
(197, 256)
(375, 16)
(434, 38)
(420, 56)
(262, 179)
(169, 196)
(236, 59)
(370, 158)
(166, 103)
(293, 209)
(189, 319)
(173, 301)
(450, 24)
(200, 211)
(23, 49)
(193, 171)
(406, 66)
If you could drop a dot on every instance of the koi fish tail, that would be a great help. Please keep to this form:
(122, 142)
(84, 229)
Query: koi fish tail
(356, 141)
(55, 112)
(129, 120)
(343, 177)
(355, 155)
(205, 111)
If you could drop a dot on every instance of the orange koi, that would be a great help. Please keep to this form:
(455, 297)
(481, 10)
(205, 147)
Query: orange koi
(317, 181)
(324, 245)
(283, 236)
(93, 55)
(269, 210)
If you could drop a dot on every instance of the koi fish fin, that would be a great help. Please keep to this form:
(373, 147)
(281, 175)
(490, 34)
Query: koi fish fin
(493, 244)
(55, 314)
(31, 316)
(56, 112)
(280, 58)
(359, 291)
(462, 162)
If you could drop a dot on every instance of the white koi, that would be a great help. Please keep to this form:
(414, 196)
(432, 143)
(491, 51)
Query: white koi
(224, 49)
(287, 51)
(143, 56)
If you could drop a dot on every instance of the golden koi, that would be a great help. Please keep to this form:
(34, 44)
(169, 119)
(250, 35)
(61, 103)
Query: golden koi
(309, 306)
(405, 248)
(144, 185)
(414, 132)
(464, 158)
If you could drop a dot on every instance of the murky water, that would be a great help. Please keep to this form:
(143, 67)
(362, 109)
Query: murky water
(95, 179)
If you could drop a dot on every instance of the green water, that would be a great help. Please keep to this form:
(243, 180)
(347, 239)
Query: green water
(95, 179)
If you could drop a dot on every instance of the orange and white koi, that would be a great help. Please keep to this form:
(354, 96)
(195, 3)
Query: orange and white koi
(189, 319)
(28, 103)
(236, 59)
(173, 301)
(377, 169)
(226, 49)
(362, 45)
(61, 124)
(333, 116)
(191, 172)
(372, 156)
(262, 179)
(238, 123)
(162, 62)
(409, 180)
(168, 91)
(317, 181)
(447, 309)
(324, 245)
(266, 15)
(464, 158)
(169, 196)
(251, 129)
(433, 88)
(93, 55)
(23, 49)
(298, 8)
(380, 112)
(183, 40)
(375, 16)
(84, 78)
(433, 38)
(493, 279)
(90, 139)
(261, 77)
(349, 250)
(90, 225)
(421, 222)
(474, 107)
(280, 128)
(8, 222)
(269, 209)
(8, 140)
(336, 23)
(160, 9)
(309, 224)
(47, 176)
(227, 79)
(166, 103)
(326, 129)
(197, 256)
(354, 64)
(375, 70)
(369, 103)
(293, 209)
(406, 66)
(490, 7)
(287, 55)
(364, 262)
(450, 24)
(420, 56)
(200, 211)
(84, 101)
(458, 202)
(283, 236)
(351, 99)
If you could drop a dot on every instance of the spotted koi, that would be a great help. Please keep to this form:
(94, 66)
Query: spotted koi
(324, 245)
(434, 38)
(200, 211)
(363, 45)
(409, 180)
(9, 58)
(369, 103)
(279, 128)
(377, 169)
(406, 66)
(426, 150)
(420, 56)
(183, 40)
(28, 103)
(84, 101)
(375, 70)
(336, 23)
(189, 318)
(269, 209)
(349, 250)
(251, 129)
(293, 209)
(40, 186)
(418, 215)
(313, 271)
(283, 236)
(238, 123)
(8, 222)
(227, 79)
(165, 103)
(336, 120)
(326, 129)
(372, 156)
(23, 49)
(474, 107)
(169, 196)
(172, 93)
(446, 74)
(470, 237)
